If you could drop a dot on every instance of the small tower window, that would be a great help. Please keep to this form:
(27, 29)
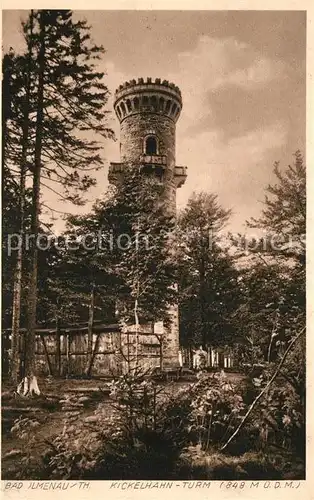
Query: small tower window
(136, 103)
(173, 109)
(153, 102)
(145, 100)
(151, 145)
(129, 105)
(168, 106)
(162, 103)
(123, 108)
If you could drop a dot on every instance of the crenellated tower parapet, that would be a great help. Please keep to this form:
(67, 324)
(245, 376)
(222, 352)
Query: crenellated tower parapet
(147, 96)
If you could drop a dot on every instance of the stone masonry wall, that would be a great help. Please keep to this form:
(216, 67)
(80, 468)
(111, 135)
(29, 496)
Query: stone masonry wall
(135, 128)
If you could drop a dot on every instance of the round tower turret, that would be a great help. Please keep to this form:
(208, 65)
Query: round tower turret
(148, 112)
(158, 97)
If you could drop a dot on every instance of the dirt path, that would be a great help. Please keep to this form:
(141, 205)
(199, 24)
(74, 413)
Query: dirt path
(43, 418)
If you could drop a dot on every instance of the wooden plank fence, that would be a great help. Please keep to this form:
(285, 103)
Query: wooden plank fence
(65, 352)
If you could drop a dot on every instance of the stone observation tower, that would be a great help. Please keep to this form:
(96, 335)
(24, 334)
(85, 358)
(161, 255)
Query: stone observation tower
(148, 112)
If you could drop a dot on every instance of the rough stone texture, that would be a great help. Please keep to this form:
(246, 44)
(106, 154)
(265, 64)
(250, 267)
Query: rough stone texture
(144, 109)
(135, 128)
(171, 348)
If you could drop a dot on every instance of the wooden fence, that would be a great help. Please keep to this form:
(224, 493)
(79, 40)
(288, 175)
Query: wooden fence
(214, 357)
(112, 352)
(65, 353)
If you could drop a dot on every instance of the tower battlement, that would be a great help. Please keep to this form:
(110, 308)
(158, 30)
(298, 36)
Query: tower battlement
(147, 96)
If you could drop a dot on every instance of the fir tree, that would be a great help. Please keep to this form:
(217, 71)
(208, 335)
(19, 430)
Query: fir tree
(207, 286)
(66, 104)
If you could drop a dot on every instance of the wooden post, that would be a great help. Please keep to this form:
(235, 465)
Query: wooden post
(191, 366)
(22, 354)
(58, 342)
(120, 357)
(90, 328)
(68, 347)
(128, 349)
(5, 345)
(95, 350)
(47, 354)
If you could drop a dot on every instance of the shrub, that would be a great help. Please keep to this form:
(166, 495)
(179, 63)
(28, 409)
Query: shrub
(146, 430)
(216, 409)
(140, 434)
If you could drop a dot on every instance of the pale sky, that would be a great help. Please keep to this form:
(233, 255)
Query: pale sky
(242, 77)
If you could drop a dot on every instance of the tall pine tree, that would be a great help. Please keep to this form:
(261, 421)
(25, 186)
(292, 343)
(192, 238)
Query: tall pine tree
(67, 107)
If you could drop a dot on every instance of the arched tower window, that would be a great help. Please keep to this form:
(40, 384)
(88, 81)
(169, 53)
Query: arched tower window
(129, 105)
(136, 103)
(168, 106)
(123, 108)
(151, 145)
(153, 101)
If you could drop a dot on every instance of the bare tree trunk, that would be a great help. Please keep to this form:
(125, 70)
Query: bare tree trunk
(30, 380)
(58, 342)
(91, 309)
(203, 302)
(136, 331)
(128, 351)
(5, 112)
(17, 287)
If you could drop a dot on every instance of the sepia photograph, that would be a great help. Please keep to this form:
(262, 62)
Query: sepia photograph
(153, 245)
